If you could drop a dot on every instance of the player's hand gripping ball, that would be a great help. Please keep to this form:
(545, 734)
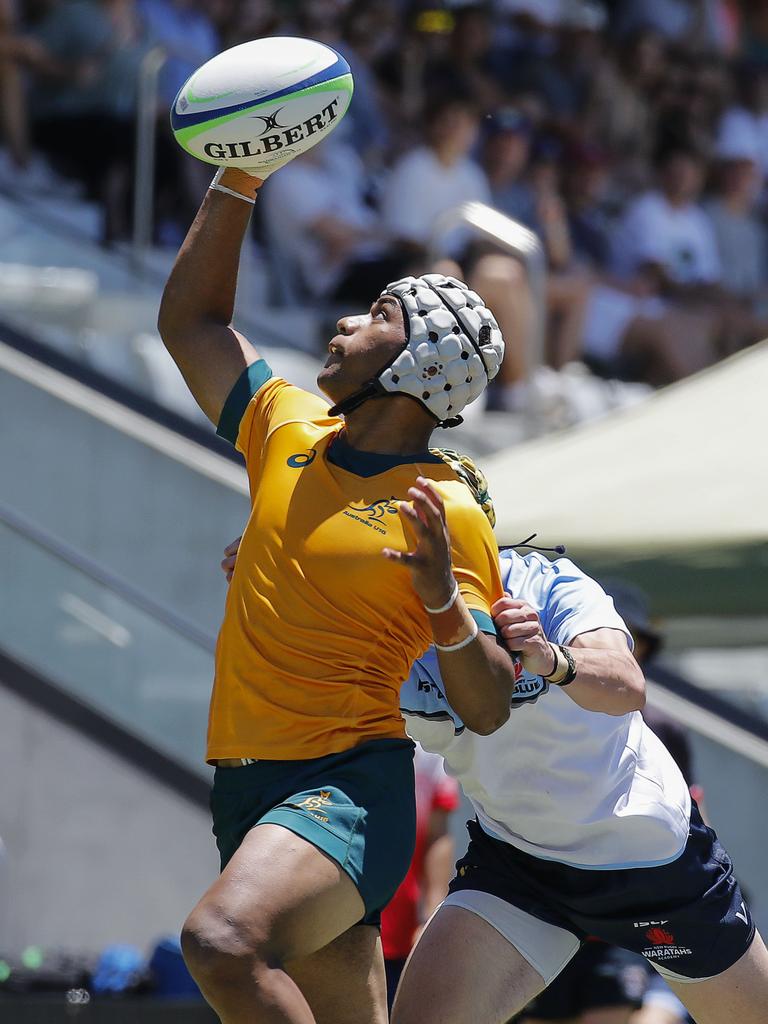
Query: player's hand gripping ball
(260, 104)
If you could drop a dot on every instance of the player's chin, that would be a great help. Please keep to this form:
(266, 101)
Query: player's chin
(330, 383)
(326, 381)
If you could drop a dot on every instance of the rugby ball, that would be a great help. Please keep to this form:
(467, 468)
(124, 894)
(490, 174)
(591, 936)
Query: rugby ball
(262, 103)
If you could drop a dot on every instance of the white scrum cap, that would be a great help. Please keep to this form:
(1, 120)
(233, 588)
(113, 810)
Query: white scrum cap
(454, 345)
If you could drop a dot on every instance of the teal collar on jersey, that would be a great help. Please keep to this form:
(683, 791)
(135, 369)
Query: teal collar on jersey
(342, 454)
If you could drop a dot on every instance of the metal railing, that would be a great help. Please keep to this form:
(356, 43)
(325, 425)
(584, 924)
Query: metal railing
(144, 170)
(511, 236)
(87, 567)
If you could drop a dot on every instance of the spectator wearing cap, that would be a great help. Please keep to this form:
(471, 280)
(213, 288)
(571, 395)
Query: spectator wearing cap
(632, 605)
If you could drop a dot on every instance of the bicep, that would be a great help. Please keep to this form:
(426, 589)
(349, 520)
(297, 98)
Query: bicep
(605, 639)
(211, 360)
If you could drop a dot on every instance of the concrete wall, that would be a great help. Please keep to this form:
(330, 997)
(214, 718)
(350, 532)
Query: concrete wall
(96, 851)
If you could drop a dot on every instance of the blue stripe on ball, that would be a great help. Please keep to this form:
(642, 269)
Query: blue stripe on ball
(336, 70)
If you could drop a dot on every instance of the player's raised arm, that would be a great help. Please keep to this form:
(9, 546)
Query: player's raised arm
(225, 114)
(195, 319)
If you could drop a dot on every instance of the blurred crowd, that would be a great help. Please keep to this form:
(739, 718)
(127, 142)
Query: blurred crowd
(631, 137)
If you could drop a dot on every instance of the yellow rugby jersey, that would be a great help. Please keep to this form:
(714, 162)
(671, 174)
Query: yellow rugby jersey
(319, 628)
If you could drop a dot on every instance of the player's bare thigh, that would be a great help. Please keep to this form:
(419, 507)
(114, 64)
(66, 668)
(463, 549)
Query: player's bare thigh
(279, 899)
(463, 969)
(356, 957)
(739, 994)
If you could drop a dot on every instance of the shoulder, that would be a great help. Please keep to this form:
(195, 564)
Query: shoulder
(537, 579)
(258, 394)
(466, 519)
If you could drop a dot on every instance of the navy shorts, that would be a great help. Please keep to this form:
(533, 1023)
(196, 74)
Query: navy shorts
(598, 977)
(687, 918)
(357, 806)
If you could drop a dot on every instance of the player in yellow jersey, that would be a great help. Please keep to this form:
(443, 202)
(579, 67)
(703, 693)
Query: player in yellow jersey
(313, 792)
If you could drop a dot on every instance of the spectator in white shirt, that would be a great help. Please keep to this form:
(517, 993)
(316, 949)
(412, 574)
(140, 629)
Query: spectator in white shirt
(666, 234)
(659, 312)
(435, 178)
(323, 236)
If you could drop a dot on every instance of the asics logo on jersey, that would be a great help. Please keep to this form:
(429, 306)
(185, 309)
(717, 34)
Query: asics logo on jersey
(301, 459)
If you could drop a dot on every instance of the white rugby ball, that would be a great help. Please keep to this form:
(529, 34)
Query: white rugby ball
(262, 103)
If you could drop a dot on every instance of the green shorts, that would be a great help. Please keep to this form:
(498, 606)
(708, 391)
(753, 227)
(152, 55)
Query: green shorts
(358, 807)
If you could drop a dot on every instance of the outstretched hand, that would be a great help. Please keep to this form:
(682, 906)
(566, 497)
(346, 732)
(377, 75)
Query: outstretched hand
(426, 531)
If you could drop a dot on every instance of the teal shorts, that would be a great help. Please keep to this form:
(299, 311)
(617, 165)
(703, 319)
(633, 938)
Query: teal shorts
(358, 807)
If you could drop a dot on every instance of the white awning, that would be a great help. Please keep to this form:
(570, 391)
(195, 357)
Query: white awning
(688, 468)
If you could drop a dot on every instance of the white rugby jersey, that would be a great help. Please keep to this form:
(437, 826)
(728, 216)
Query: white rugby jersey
(558, 782)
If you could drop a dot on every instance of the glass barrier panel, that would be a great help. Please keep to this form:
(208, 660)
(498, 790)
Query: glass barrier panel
(103, 649)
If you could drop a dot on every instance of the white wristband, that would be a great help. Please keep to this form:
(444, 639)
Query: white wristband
(448, 604)
(462, 643)
(228, 191)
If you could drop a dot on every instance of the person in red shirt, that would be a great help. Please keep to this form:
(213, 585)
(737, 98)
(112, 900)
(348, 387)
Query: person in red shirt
(426, 884)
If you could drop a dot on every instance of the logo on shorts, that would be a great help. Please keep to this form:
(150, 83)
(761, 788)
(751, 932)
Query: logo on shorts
(314, 805)
(659, 937)
(663, 945)
(373, 515)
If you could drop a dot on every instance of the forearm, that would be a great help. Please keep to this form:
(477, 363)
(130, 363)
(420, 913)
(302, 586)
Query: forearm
(479, 676)
(202, 285)
(198, 302)
(606, 680)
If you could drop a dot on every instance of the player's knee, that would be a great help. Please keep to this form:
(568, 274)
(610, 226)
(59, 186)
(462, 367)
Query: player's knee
(217, 951)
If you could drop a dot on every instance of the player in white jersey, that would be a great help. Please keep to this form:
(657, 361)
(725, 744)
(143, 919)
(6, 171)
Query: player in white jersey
(584, 827)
